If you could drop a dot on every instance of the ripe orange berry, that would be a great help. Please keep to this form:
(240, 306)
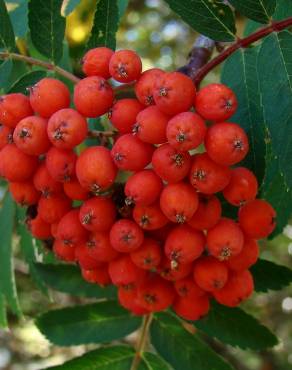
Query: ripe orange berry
(24, 193)
(187, 288)
(123, 271)
(257, 218)
(96, 62)
(13, 108)
(126, 236)
(246, 258)
(127, 295)
(39, 228)
(48, 96)
(54, 208)
(44, 182)
(210, 274)
(75, 191)
(61, 164)
(99, 247)
(190, 309)
(148, 256)
(85, 261)
(98, 276)
(208, 213)
(149, 217)
(93, 96)
(125, 66)
(174, 272)
(144, 87)
(6, 135)
(70, 230)
(63, 251)
(123, 114)
(67, 128)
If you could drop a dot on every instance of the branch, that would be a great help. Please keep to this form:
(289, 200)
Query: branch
(241, 43)
(37, 62)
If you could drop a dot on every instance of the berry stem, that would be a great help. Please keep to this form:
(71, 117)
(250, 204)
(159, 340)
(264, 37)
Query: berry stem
(141, 341)
(101, 134)
(241, 43)
(37, 62)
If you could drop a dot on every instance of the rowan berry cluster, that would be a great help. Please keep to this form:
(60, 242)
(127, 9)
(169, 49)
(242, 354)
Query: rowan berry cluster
(172, 247)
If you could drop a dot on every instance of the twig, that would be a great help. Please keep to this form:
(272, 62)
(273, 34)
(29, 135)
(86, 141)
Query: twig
(101, 134)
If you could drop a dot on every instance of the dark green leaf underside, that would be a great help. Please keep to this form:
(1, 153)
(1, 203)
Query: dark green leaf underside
(68, 6)
(25, 81)
(7, 39)
(258, 10)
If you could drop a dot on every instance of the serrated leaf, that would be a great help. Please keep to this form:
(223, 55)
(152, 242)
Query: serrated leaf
(19, 17)
(109, 358)
(240, 74)
(258, 10)
(25, 81)
(5, 71)
(182, 349)
(3, 317)
(68, 279)
(151, 361)
(211, 18)
(7, 279)
(270, 276)
(93, 323)
(105, 25)
(27, 249)
(235, 327)
(7, 38)
(68, 6)
(47, 27)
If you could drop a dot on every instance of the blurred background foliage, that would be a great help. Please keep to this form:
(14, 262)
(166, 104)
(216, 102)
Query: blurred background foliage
(162, 40)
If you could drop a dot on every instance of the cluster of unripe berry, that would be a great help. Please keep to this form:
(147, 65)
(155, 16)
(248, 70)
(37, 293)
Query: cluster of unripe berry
(171, 247)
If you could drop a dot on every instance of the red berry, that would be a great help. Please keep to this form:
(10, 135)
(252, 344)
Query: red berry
(15, 165)
(216, 102)
(75, 191)
(151, 125)
(54, 228)
(226, 143)
(184, 245)
(123, 114)
(125, 66)
(210, 274)
(65, 252)
(207, 214)
(186, 131)
(30, 135)
(207, 176)
(98, 276)
(96, 62)
(170, 164)
(143, 188)
(70, 230)
(61, 164)
(48, 96)
(179, 202)
(148, 256)
(188, 288)
(237, 289)
(67, 128)
(93, 96)
(149, 217)
(123, 271)
(13, 108)
(126, 236)
(6, 135)
(98, 214)
(145, 85)
(174, 272)
(54, 208)
(155, 294)
(191, 309)
(174, 93)
(24, 193)
(131, 154)
(225, 239)
(246, 258)
(84, 259)
(95, 169)
(44, 182)
(243, 186)
(257, 218)
(127, 295)
(39, 228)
(99, 247)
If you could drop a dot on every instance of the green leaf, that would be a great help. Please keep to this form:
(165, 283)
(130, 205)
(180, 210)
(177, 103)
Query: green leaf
(258, 10)
(105, 25)
(3, 318)
(270, 276)
(283, 10)
(151, 361)
(26, 80)
(93, 323)
(7, 38)
(240, 74)
(5, 71)
(19, 17)
(7, 279)
(182, 349)
(109, 358)
(47, 27)
(235, 327)
(122, 4)
(68, 279)
(68, 6)
(27, 249)
(211, 18)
